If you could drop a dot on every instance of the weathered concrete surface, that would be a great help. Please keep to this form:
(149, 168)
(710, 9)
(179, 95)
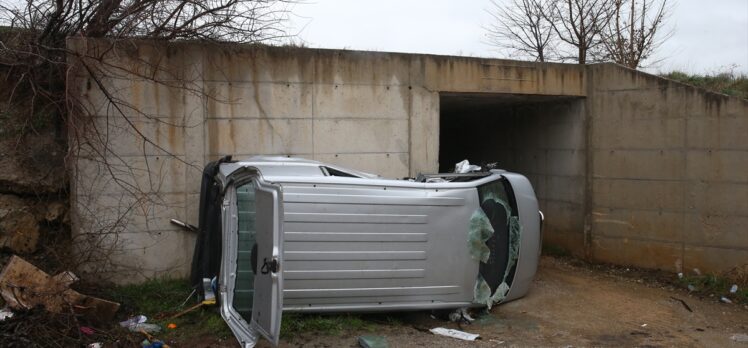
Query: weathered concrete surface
(668, 163)
(628, 167)
(376, 112)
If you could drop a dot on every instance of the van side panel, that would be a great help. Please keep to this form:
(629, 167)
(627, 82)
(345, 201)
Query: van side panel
(363, 247)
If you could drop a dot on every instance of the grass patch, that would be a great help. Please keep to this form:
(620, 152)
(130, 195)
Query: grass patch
(725, 82)
(332, 324)
(294, 324)
(161, 298)
(711, 284)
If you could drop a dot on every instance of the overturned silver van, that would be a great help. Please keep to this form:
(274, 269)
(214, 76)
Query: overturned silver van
(287, 234)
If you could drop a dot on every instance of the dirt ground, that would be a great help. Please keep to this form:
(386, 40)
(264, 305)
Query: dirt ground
(571, 305)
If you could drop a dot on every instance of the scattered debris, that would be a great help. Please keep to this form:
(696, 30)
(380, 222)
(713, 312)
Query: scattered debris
(190, 309)
(372, 341)
(171, 326)
(734, 288)
(697, 271)
(743, 338)
(145, 327)
(5, 313)
(138, 319)
(644, 325)
(461, 315)
(209, 286)
(194, 291)
(691, 288)
(680, 275)
(150, 341)
(454, 334)
(23, 286)
(685, 305)
(38, 327)
(465, 167)
(95, 345)
(210, 297)
(88, 331)
(725, 300)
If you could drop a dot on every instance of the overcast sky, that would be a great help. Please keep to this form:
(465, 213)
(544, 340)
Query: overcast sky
(707, 36)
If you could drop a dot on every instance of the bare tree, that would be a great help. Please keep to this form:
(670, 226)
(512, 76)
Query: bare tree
(635, 31)
(522, 28)
(35, 61)
(579, 24)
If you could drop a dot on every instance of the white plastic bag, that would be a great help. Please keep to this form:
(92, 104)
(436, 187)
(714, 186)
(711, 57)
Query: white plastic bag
(465, 167)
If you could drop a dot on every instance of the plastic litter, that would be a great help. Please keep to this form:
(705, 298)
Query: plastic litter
(461, 335)
(95, 345)
(725, 300)
(461, 315)
(209, 286)
(465, 167)
(743, 338)
(138, 319)
(144, 327)
(697, 271)
(680, 275)
(372, 341)
(734, 288)
(5, 313)
(86, 330)
(171, 326)
(691, 287)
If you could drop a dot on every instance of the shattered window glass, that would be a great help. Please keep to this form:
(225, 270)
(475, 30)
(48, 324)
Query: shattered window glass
(245, 277)
(493, 239)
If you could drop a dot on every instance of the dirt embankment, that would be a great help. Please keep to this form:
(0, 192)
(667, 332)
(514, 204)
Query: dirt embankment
(34, 220)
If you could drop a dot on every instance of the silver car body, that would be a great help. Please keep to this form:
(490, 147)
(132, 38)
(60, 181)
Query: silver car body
(329, 239)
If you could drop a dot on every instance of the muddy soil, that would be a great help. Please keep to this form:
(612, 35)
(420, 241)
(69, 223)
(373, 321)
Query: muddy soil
(569, 305)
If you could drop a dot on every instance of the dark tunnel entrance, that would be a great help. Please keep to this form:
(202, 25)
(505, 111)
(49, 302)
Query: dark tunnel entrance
(541, 137)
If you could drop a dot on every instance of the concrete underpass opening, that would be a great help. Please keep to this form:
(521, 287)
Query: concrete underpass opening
(539, 136)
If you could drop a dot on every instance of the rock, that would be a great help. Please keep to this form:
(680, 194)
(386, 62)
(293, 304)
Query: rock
(55, 211)
(32, 163)
(19, 232)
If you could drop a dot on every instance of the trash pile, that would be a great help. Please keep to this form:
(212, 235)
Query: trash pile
(42, 310)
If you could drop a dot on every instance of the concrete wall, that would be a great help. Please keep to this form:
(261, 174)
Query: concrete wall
(668, 173)
(629, 168)
(376, 112)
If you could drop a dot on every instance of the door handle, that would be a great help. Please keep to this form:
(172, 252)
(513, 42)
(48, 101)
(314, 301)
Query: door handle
(269, 266)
